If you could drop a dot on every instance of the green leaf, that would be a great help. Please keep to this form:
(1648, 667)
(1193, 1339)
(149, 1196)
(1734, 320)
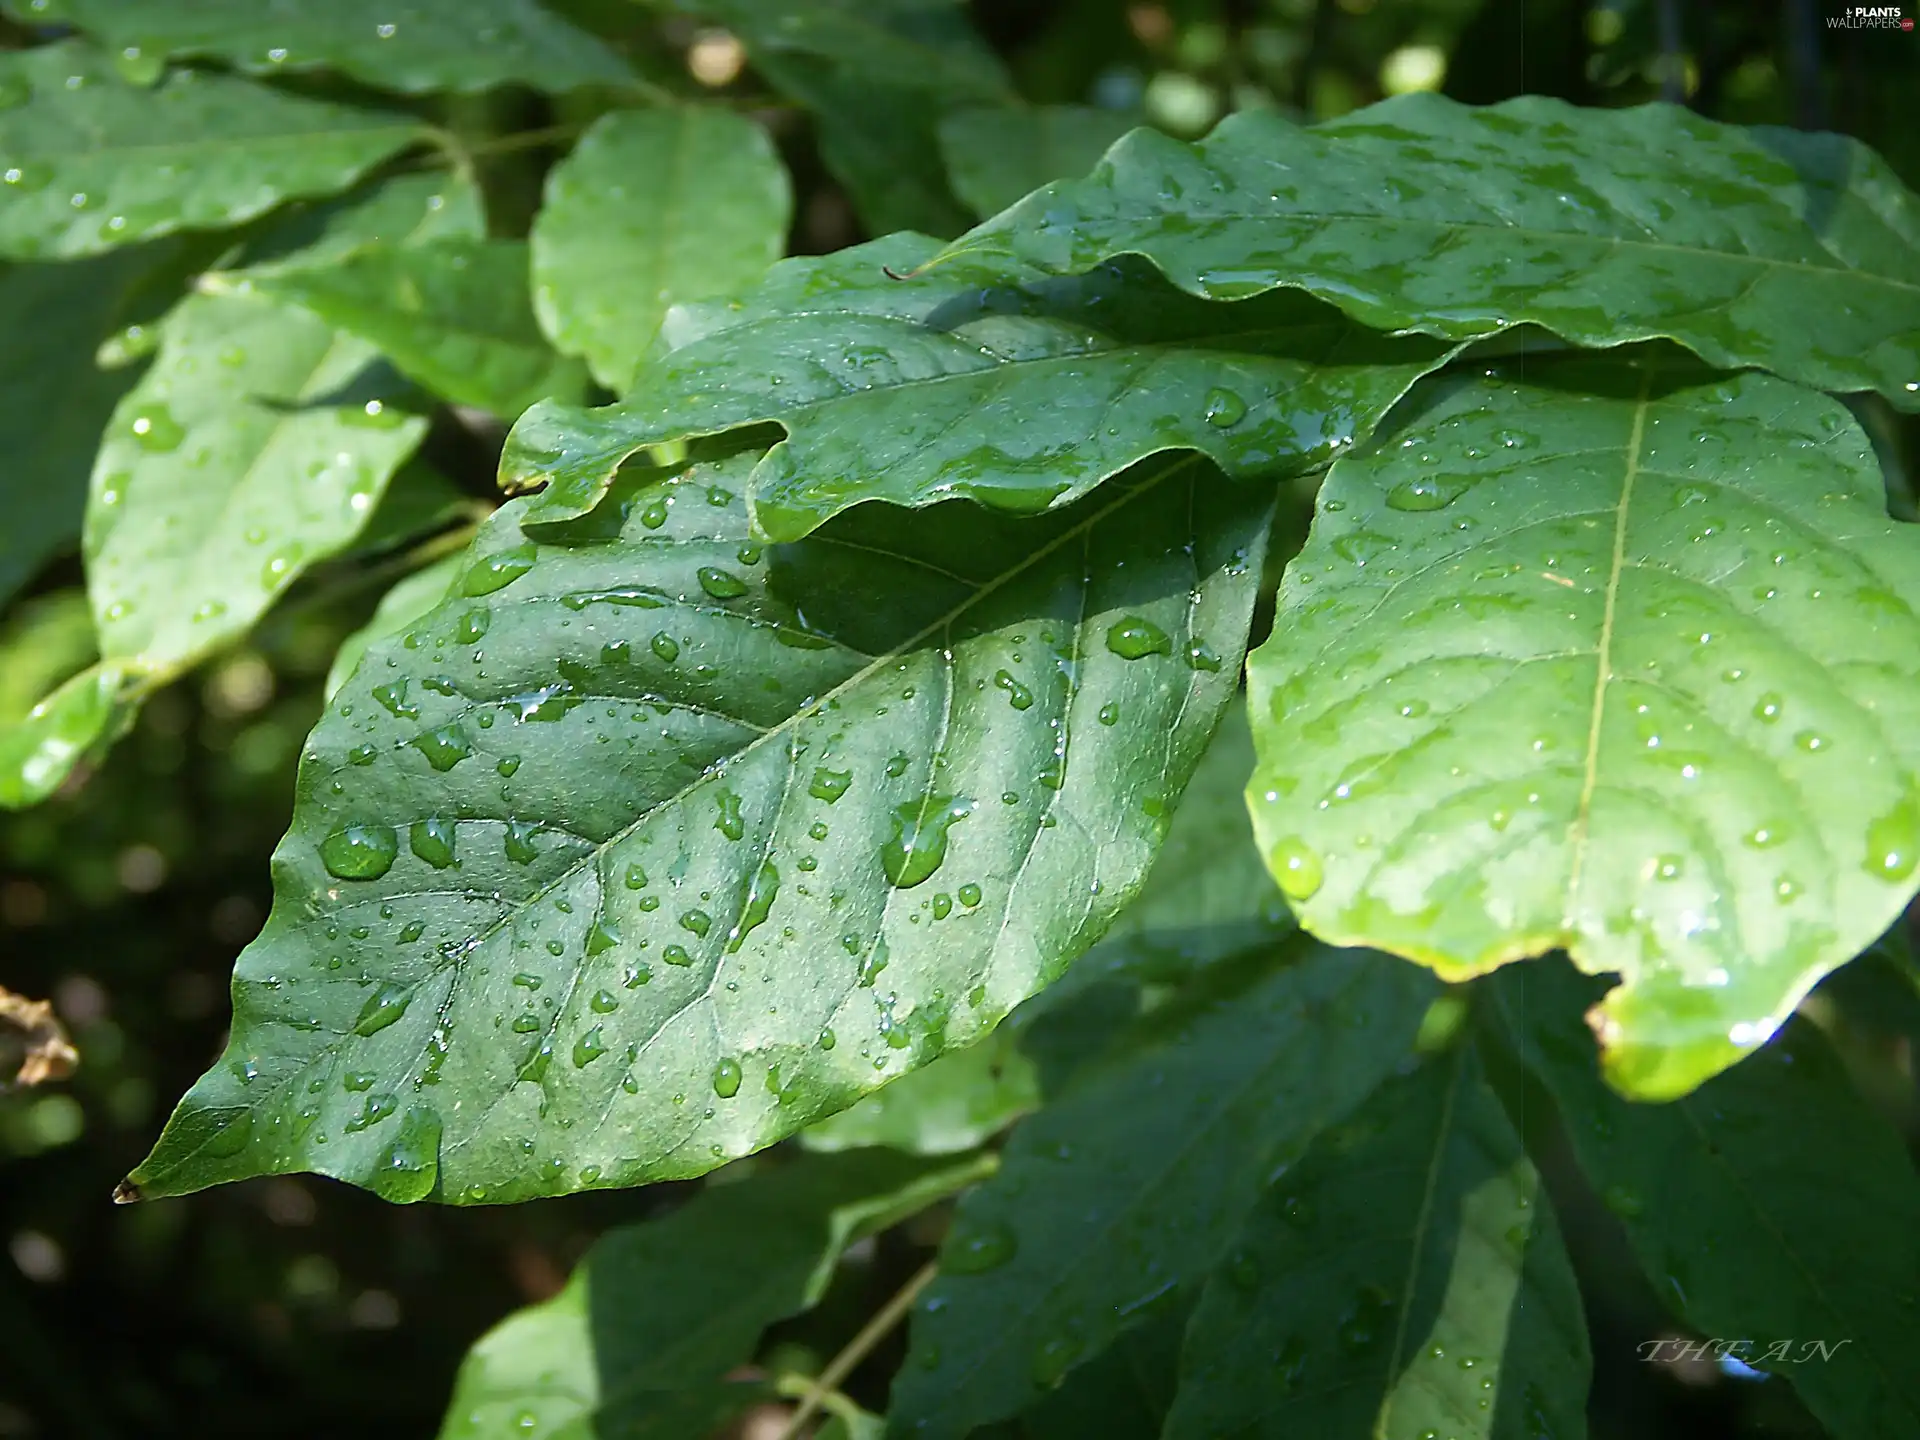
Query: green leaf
(997, 156)
(909, 393)
(1123, 1393)
(1207, 897)
(649, 847)
(1750, 1204)
(652, 209)
(454, 315)
(259, 441)
(1761, 247)
(1607, 658)
(53, 706)
(876, 75)
(641, 1339)
(1406, 1278)
(54, 398)
(412, 45)
(409, 598)
(1134, 1182)
(92, 162)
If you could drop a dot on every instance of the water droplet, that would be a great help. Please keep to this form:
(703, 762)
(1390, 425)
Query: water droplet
(760, 897)
(698, 921)
(433, 840)
(360, 852)
(636, 878)
(588, 1048)
(1018, 695)
(1053, 1358)
(1623, 1201)
(384, 1006)
(726, 1078)
(665, 646)
(497, 571)
(969, 894)
(1425, 494)
(1296, 867)
(728, 821)
(1767, 707)
(156, 430)
(655, 515)
(445, 747)
(1224, 409)
(1893, 843)
(1109, 713)
(518, 841)
(1133, 638)
(409, 1168)
(393, 699)
(973, 1248)
(1200, 656)
(830, 785)
(676, 955)
(919, 844)
(602, 936)
(508, 764)
(720, 585)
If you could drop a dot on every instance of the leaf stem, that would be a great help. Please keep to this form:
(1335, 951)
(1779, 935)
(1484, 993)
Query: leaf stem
(859, 1347)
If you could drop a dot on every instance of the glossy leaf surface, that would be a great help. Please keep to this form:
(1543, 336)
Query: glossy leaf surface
(1793, 252)
(1406, 1277)
(1750, 1204)
(407, 45)
(1607, 659)
(93, 162)
(652, 209)
(649, 846)
(454, 314)
(193, 526)
(1018, 397)
(997, 156)
(1137, 1180)
(641, 1340)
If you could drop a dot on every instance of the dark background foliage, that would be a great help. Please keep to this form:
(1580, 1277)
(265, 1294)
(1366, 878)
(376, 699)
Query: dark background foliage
(297, 1307)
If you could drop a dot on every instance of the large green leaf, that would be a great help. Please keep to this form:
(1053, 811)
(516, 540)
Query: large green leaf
(640, 1341)
(1799, 253)
(406, 45)
(54, 398)
(91, 162)
(648, 847)
(1123, 1393)
(1406, 1278)
(998, 155)
(875, 74)
(652, 209)
(454, 314)
(1611, 658)
(1019, 397)
(1771, 1206)
(1135, 1181)
(259, 441)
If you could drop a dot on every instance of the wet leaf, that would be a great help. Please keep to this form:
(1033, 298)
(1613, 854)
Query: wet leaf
(259, 441)
(94, 162)
(1018, 397)
(641, 1341)
(1407, 1276)
(409, 598)
(1750, 1202)
(1135, 1181)
(652, 209)
(648, 847)
(1605, 659)
(407, 45)
(1761, 247)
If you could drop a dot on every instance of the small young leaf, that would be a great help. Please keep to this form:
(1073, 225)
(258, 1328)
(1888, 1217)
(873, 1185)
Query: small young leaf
(648, 847)
(1606, 658)
(1136, 1181)
(652, 209)
(1407, 1277)
(258, 442)
(1759, 247)
(658, 1313)
(998, 156)
(407, 45)
(53, 706)
(908, 392)
(1750, 1204)
(454, 314)
(92, 162)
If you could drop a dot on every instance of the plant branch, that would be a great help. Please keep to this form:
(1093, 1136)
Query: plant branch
(858, 1348)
